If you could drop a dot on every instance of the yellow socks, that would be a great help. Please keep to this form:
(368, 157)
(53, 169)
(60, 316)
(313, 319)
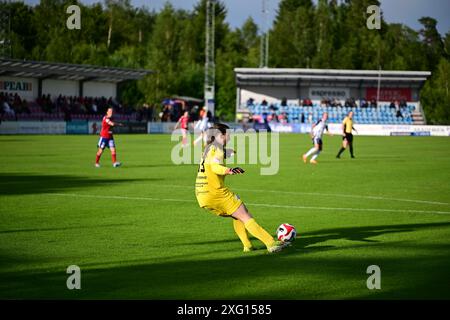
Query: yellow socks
(258, 232)
(240, 230)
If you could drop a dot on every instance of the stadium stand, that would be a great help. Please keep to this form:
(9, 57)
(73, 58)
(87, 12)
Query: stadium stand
(277, 93)
(14, 108)
(383, 114)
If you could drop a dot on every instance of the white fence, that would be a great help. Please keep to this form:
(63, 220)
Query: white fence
(60, 127)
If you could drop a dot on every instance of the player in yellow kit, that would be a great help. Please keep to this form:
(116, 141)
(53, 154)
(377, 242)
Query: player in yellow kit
(347, 135)
(213, 195)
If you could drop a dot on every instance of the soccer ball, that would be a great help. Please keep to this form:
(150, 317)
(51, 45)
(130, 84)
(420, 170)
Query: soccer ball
(286, 232)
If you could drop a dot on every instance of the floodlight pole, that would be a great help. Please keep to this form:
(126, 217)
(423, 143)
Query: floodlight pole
(264, 44)
(210, 68)
(379, 82)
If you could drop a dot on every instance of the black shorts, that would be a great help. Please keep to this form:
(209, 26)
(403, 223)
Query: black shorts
(348, 137)
(319, 142)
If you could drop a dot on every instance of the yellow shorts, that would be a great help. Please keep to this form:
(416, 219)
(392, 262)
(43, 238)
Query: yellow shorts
(224, 205)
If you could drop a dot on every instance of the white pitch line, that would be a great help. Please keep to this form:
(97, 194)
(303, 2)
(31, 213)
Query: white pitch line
(118, 197)
(322, 194)
(252, 204)
(347, 196)
(346, 209)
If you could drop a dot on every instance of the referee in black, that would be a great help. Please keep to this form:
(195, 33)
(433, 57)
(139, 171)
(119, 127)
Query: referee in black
(347, 127)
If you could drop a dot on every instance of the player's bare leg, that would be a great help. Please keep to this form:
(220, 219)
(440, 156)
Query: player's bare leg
(311, 151)
(114, 158)
(199, 138)
(97, 157)
(184, 143)
(313, 159)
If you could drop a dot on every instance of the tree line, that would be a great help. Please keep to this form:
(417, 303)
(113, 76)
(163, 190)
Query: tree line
(305, 34)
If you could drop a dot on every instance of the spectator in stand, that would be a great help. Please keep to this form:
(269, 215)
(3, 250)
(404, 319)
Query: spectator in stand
(373, 103)
(284, 102)
(7, 110)
(165, 114)
(282, 117)
(350, 103)
(62, 106)
(392, 105)
(274, 117)
(336, 103)
(403, 105)
(307, 102)
(347, 103)
(250, 102)
(194, 115)
(264, 103)
(363, 103)
(94, 128)
(302, 119)
(399, 114)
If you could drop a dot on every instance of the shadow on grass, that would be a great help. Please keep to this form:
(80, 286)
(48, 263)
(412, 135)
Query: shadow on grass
(292, 274)
(361, 234)
(19, 184)
(64, 228)
(162, 165)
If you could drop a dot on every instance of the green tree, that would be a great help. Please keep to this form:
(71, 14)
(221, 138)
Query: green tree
(296, 19)
(432, 42)
(435, 96)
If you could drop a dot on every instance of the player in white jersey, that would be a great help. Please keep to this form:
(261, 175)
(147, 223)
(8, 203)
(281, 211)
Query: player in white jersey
(202, 125)
(316, 134)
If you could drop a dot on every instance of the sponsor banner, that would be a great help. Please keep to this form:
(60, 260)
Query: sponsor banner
(290, 127)
(9, 127)
(11, 85)
(24, 87)
(393, 130)
(320, 93)
(160, 127)
(94, 127)
(132, 127)
(389, 94)
(168, 127)
(33, 127)
(129, 127)
(401, 133)
(42, 127)
(77, 127)
(421, 133)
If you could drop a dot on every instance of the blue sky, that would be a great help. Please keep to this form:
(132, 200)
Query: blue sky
(401, 11)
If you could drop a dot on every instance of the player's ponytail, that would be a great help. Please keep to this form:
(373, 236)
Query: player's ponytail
(211, 133)
(217, 128)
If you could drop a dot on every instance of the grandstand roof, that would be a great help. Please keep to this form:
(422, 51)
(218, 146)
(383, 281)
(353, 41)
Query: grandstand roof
(258, 76)
(67, 71)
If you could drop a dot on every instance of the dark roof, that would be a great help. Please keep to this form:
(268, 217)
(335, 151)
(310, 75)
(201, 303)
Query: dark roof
(68, 71)
(273, 76)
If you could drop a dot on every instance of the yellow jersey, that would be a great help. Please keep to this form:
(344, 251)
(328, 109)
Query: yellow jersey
(348, 125)
(210, 189)
(211, 173)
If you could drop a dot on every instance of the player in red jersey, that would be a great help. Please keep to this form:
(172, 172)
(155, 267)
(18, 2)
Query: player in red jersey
(183, 123)
(106, 138)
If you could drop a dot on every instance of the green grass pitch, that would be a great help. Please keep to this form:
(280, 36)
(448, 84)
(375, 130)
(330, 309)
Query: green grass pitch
(137, 232)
